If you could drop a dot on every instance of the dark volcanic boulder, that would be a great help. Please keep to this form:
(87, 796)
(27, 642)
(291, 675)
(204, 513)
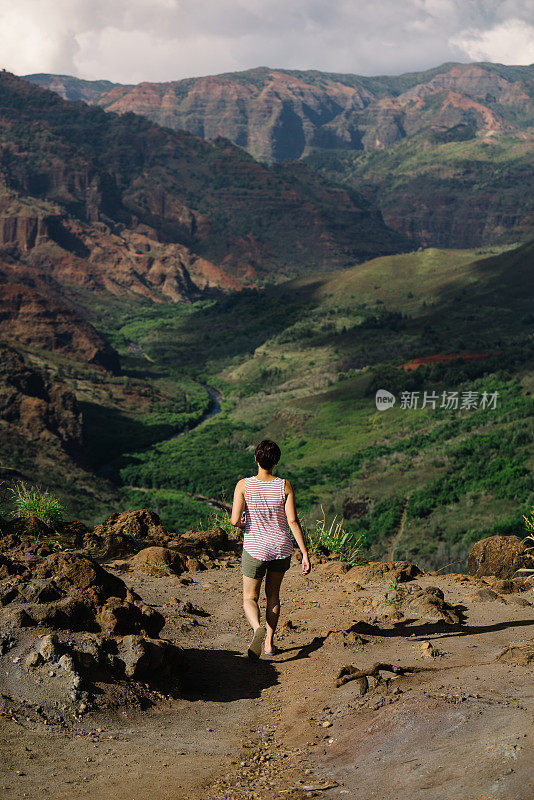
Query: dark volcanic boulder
(121, 534)
(70, 591)
(501, 556)
(72, 572)
(195, 543)
(120, 617)
(144, 658)
(97, 632)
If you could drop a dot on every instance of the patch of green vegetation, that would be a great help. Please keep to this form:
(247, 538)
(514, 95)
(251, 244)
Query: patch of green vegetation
(301, 365)
(434, 181)
(32, 501)
(333, 538)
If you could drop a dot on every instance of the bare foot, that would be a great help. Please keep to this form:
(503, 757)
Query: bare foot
(254, 649)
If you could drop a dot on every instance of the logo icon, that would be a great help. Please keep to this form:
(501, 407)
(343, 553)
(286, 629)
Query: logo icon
(384, 400)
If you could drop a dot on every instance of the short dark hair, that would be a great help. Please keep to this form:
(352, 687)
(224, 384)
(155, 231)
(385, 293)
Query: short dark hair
(267, 454)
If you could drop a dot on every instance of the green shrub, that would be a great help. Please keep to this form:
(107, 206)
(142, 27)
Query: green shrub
(334, 538)
(221, 519)
(31, 501)
(529, 539)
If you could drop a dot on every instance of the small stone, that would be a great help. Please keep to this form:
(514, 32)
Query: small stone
(32, 660)
(48, 647)
(428, 650)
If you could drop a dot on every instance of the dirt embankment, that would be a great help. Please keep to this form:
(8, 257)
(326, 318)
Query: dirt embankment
(128, 676)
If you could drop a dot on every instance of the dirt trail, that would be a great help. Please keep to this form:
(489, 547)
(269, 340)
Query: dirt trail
(390, 556)
(278, 728)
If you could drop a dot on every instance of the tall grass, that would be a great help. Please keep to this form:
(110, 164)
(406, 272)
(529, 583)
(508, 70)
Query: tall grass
(333, 538)
(529, 539)
(221, 519)
(31, 501)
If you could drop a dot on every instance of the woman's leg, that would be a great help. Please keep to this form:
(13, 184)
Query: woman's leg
(251, 593)
(273, 582)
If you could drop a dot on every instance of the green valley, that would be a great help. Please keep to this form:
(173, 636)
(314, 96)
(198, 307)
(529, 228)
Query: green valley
(301, 361)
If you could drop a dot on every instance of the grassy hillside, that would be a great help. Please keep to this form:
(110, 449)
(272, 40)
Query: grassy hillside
(417, 182)
(301, 362)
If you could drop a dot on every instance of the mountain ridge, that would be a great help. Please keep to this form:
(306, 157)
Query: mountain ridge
(143, 97)
(368, 126)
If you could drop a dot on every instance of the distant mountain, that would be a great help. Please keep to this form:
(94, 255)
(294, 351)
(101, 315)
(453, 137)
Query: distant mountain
(163, 213)
(444, 153)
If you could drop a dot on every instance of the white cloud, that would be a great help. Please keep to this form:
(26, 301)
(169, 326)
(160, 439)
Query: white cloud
(511, 42)
(155, 40)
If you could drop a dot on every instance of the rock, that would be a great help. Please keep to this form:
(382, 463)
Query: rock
(520, 654)
(120, 564)
(68, 613)
(66, 663)
(33, 659)
(127, 532)
(135, 654)
(8, 592)
(17, 618)
(376, 571)
(210, 543)
(194, 565)
(74, 531)
(7, 642)
(429, 604)
(428, 650)
(412, 601)
(158, 561)
(501, 556)
(519, 601)
(508, 585)
(10, 568)
(345, 638)
(333, 568)
(48, 647)
(90, 652)
(144, 657)
(29, 525)
(39, 591)
(80, 573)
(188, 608)
(119, 617)
(485, 595)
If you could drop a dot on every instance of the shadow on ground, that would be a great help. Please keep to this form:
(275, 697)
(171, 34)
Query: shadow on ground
(405, 628)
(224, 675)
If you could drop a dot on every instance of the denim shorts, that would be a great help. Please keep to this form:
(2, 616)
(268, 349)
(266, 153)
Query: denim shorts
(255, 568)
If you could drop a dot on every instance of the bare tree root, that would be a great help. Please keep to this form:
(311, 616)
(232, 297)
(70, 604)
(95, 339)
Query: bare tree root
(350, 673)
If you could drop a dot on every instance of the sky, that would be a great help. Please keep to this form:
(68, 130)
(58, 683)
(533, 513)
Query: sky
(130, 41)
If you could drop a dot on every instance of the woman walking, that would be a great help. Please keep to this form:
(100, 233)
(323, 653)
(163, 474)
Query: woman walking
(268, 505)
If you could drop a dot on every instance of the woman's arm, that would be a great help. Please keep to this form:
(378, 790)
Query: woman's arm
(294, 524)
(238, 504)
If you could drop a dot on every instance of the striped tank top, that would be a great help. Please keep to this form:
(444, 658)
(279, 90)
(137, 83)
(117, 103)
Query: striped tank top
(266, 529)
